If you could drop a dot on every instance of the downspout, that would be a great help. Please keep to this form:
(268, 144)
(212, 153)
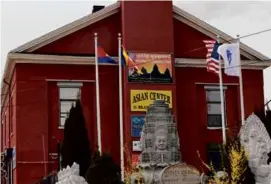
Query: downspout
(9, 129)
(9, 107)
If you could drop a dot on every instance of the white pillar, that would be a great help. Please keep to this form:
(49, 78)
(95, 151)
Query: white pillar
(97, 94)
(121, 112)
(222, 99)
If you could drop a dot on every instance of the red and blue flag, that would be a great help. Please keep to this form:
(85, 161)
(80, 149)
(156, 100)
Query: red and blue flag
(103, 57)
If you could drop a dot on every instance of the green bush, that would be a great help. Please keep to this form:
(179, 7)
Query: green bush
(103, 171)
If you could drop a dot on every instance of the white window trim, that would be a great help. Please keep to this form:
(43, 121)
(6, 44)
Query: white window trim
(66, 85)
(215, 87)
(69, 84)
(216, 128)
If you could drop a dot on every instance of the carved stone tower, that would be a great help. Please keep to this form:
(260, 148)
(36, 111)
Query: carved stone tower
(159, 138)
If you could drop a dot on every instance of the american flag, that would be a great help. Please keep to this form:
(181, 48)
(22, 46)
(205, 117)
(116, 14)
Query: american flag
(212, 57)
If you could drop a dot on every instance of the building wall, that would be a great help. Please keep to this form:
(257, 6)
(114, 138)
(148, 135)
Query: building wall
(37, 114)
(8, 114)
(192, 108)
(82, 42)
(150, 30)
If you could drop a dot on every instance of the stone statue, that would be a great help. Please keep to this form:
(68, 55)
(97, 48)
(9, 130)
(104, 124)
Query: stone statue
(257, 144)
(159, 141)
(70, 175)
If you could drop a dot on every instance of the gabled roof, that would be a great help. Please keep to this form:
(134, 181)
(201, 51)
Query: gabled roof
(213, 32)
(21, 53)
(68, 29)
(178, 13)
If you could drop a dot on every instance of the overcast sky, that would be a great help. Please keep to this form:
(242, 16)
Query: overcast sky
(22, 21)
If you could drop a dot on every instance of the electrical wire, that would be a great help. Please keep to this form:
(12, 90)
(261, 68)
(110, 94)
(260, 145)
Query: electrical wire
(229, 41)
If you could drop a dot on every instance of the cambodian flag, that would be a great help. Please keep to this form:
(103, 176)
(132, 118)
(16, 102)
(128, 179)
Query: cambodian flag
(103, 57)
(126, 59)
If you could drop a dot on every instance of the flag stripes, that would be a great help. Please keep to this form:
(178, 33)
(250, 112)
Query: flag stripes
(212, 64)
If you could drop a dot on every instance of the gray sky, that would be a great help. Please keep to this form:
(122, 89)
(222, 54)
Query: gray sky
(22, 21)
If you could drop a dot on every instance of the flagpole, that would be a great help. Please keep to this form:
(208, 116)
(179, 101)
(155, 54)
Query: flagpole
(241, 86)
(97, 94)
(120, 112)
(222, 99)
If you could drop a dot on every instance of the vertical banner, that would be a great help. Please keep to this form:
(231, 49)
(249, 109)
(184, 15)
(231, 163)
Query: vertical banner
(152, 68)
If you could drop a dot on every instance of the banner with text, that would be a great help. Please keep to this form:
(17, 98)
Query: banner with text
(152, 68)
(141, 99)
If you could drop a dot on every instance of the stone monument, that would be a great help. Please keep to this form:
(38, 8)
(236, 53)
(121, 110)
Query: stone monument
(70, 175)
(180, 174)
(257, 144)
(159, 141)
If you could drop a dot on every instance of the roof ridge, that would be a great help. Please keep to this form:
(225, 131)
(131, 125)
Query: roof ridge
(218, 32)
(67, 29)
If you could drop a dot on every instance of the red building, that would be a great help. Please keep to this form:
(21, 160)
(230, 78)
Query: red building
(42, 79)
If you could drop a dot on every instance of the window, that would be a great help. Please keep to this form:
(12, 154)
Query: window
(68, 94)
(214, 117)
(214, 155)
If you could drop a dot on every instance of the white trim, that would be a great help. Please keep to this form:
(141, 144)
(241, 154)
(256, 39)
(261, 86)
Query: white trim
(53, 154)
(68, 29)
(66, 80)
(82, 60)
(62, 85)
(216, 128)
(69, 84)
(201, 63)
(214, 87)
(61, 127)
(216, 84)
(217, 88)
(54, 59)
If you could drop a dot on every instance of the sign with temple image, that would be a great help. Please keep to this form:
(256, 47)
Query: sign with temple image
(150, 68)
(140, 100)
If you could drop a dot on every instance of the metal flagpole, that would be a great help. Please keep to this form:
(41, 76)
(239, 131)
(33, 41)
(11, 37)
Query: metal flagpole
(120, 112)
(241, 85)
(222, 98)
(97, 94)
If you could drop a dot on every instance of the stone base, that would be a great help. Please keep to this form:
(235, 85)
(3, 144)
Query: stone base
(152, 175)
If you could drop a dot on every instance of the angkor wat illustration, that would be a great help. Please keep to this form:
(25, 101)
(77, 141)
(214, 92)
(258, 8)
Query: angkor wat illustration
(154, 76)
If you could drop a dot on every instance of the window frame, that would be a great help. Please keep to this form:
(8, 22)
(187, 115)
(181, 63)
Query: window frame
(213, 147)
(215, 88)
(63, 85)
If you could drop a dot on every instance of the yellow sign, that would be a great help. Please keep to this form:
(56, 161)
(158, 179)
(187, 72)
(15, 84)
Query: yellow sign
(142, 99)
